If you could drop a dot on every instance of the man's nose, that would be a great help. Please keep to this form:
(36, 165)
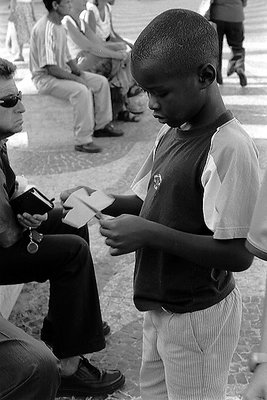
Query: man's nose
(20, 107)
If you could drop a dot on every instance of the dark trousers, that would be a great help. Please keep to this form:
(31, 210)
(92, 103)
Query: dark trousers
(234, 33)
(73, 324)
(28, 369)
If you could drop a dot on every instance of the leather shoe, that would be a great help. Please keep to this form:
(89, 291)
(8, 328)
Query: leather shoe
(242, 77)
(88, 148)
(108, 131)
(90, 381)
(106, 328)
(230, 68)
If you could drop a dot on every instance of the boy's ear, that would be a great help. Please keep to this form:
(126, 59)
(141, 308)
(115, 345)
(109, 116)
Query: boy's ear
(207, 74)
(55, 5)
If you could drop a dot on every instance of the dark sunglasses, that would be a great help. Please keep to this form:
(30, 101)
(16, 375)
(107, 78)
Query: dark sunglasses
(11, 100)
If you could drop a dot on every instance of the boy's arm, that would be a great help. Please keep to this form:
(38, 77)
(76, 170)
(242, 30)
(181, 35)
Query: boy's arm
(59, 73)
(130, 204)
(129, 233)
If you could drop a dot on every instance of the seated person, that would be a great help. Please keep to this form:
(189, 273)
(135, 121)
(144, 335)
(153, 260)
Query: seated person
(100, 21)
(92, 54)
(73, 325)
(28, 369)
(54, 73)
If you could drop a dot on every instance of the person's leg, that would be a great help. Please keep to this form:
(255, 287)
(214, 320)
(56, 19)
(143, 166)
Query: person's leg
(152, 375)
(197, 348)
(81, 99)
(28, 369)
(102, 98)
(220, 33)
(74, 323)
(235, 38)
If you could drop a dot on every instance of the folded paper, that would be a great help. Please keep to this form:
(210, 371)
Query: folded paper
(83, 207)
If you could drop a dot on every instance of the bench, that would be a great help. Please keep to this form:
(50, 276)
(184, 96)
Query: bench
(8, 297)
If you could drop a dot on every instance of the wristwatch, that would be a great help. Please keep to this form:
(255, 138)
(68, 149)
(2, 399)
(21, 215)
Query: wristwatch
(256, 359)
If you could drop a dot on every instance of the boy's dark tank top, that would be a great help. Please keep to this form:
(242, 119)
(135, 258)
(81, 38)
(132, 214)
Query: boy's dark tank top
(175, 199)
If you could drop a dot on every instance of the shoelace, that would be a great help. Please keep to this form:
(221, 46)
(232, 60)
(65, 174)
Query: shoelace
(93, 370)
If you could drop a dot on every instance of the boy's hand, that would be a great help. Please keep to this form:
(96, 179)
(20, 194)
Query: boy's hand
(125, 233)
(31, 221)
(257, 388)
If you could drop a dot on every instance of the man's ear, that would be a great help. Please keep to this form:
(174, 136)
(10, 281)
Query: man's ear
(207, 74)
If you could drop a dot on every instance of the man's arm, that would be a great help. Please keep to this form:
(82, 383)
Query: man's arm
(12, 232)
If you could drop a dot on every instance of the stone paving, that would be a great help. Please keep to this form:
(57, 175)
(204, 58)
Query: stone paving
(51, 163)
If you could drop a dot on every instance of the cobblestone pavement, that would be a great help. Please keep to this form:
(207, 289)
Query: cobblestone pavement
(51, 163)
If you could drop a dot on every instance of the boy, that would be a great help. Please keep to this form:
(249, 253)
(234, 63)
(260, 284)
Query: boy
(190, 212)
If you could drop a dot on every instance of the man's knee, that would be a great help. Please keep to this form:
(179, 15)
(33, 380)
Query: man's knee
(31, 371)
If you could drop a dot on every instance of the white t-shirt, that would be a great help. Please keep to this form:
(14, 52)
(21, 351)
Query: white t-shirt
(48, 47)
(103, 27)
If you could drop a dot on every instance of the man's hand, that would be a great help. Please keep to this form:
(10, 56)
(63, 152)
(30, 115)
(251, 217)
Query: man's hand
(257, 388)
(31, 221)
(66, 193)
(125, 233)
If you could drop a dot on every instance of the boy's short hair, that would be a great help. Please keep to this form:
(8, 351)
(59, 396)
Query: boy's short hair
(48, 4)
(178, 41)
(7, 69)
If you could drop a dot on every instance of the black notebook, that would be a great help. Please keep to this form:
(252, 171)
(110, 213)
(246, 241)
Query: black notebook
(32, 201)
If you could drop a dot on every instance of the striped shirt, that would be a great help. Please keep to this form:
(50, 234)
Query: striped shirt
(48, 47)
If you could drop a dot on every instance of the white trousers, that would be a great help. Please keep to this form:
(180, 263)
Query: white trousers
(91, 105)
(187, 356)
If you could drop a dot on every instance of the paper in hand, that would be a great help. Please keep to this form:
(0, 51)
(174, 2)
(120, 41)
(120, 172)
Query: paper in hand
(83, 207)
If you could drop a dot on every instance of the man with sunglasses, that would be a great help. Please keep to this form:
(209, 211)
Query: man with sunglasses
(73, 325)
(55, 73)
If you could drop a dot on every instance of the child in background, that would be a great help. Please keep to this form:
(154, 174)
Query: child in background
(189, 214)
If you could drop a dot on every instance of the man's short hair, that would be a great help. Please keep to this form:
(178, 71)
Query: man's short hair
(48, 4)
(7, 69)
(177, 42)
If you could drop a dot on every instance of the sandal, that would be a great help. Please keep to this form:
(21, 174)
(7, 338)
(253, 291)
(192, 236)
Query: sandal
(127, 116)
